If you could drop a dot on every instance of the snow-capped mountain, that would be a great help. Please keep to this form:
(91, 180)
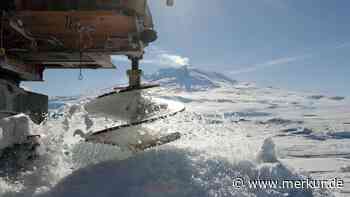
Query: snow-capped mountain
(189, 78)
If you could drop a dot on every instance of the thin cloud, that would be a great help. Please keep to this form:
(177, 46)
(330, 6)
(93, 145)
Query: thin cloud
(161, 57)
(173, 60)
(167, 60)
(287, 60)
(270, 63)
(343, 45)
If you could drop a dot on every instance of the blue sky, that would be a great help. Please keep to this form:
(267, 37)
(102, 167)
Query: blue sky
(297, 45)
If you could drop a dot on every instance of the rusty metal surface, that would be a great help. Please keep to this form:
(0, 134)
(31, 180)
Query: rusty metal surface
(83, 29)
(76, 33)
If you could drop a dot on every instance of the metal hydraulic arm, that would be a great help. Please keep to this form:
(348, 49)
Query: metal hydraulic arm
(134, 74)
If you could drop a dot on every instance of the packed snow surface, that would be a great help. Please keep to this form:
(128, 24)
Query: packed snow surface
(228, 132)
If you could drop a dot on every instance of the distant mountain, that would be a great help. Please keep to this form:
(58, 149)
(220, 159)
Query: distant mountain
(189, 78)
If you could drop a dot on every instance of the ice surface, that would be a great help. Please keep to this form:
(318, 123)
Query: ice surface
(172, 172)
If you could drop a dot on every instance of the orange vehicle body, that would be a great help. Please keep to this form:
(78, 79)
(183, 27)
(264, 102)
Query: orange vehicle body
(84, 30)
(76, 34)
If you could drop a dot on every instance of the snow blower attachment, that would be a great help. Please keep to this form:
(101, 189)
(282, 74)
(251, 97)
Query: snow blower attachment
(133, 107)
(129, 104)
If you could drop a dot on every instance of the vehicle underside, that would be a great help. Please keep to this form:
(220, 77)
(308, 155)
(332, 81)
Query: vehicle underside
(70, 34)
(65, 34)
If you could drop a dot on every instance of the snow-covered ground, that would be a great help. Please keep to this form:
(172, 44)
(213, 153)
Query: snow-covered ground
(231, 131)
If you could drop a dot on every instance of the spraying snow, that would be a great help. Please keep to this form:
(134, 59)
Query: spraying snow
(268, 152)
(227, 132)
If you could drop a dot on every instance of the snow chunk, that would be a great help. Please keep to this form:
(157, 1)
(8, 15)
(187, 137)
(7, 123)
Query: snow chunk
(14, 130)
(267, 153)
(345, 169)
